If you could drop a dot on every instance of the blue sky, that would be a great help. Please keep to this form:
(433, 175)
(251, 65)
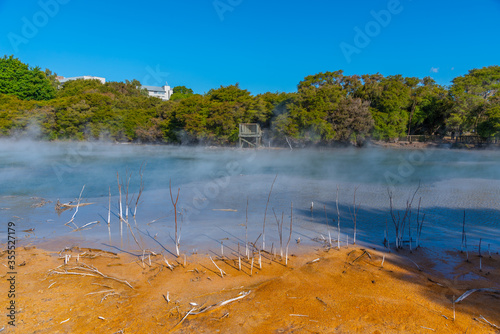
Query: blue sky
(263, 45)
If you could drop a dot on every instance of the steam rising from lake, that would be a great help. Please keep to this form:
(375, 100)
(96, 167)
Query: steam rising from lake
(211, 179)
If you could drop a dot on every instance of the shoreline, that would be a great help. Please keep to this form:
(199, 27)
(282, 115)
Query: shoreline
(346, 290)
(445, 144)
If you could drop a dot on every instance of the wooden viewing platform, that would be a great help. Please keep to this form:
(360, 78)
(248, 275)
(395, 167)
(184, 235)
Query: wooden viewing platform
(250, 134)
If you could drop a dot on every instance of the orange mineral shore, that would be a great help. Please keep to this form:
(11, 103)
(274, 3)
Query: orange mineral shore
(320, 290)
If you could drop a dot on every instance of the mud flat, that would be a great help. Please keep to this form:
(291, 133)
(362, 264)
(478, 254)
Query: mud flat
(319, 290)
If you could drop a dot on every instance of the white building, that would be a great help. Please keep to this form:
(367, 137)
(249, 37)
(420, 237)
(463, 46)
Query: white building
(163, 92)
(84, 77)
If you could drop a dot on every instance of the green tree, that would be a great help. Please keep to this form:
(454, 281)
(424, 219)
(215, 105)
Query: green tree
(272, 105)
(490, 126)
(325, 109)
(180, 93)
(432, 109)
(317, 100)
(79, 86)
(389, 107)
(27, 83)
(473, 95)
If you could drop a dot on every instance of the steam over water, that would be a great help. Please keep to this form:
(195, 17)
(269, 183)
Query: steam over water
(213, 179)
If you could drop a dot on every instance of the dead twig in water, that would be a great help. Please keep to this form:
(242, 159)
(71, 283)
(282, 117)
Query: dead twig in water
(420, 223)
(141, 189)
(464, 237)
(328, 229)
(174, 203)
(85, 227)
(338, 218)
(354, 213)
(290, 236)
(76, 211)
(280, 231)
(399, 223)
(265, 213)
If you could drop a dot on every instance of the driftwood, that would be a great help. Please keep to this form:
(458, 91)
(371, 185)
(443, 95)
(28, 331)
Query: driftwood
(92, 269)
(470, 292)
(194, 311)
(61, 207)
(489, 323)
(222, 303)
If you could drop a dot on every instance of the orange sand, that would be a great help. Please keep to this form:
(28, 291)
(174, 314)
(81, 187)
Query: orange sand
(339, 293)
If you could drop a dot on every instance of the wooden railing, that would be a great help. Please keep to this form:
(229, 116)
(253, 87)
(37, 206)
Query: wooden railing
(420, 138)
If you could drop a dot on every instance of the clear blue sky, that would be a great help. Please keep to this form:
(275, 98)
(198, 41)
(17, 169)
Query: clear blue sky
(263, 45)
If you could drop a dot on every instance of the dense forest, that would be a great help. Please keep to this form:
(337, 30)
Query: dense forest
(327, 108)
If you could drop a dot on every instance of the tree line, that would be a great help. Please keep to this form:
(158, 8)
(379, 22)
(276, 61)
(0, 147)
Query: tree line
(327, 108)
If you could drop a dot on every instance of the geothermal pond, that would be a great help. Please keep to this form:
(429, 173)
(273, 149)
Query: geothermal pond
(216, 185)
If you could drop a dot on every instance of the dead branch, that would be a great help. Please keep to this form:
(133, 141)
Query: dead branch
(265, 213)
(470, 292)
(290, 236)
(77, 206)
(174, 203)
(222, 272)
(354, 213)
(91, 269)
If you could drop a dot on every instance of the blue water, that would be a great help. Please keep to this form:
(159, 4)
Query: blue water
(211, 179)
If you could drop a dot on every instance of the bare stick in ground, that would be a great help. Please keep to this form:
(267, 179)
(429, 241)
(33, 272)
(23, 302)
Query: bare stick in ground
(489, 323)
(174, 203)
(222, 272)
(265, 213)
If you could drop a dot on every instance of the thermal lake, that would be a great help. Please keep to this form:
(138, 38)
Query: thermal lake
(216, 184)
